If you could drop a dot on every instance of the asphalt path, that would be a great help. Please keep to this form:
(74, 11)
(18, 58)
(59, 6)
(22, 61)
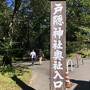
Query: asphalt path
(80, 77)
(40, 76)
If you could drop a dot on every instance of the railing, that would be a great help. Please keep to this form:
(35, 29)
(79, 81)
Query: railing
(70, 65)
(74, 63)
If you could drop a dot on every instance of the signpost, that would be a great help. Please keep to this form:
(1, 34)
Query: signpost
(58, 45)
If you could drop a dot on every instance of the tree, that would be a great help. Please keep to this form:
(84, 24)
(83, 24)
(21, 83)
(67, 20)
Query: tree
(32, 22)
(77, 24)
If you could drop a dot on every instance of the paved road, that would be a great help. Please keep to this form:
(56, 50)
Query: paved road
(40, 76)
(81, 77)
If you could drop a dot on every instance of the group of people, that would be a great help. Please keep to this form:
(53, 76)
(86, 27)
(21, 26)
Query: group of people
(34, 56)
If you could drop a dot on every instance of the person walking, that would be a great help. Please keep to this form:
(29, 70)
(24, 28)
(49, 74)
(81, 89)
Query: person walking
(33, 56)
(78, 58)
(41, 55)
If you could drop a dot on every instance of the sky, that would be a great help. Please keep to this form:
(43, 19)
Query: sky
(9, 2)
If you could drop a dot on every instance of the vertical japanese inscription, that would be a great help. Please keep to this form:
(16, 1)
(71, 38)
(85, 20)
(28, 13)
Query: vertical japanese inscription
(58, 44)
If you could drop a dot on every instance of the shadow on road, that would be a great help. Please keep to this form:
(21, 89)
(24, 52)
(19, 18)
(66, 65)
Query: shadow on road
(82, 85)
(21, 83)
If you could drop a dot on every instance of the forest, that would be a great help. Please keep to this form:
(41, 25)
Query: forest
(25, 25)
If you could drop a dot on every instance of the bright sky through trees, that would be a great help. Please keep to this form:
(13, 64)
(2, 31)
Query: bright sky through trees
(9, 3)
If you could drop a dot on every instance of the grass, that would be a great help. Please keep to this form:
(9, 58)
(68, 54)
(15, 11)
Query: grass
(6, 74)
(7, 83)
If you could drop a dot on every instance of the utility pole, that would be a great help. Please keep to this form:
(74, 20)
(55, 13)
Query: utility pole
(58, 45)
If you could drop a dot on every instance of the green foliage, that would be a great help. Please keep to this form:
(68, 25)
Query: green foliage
(78, 25)
(31, 26)
(11, 71)
(7, 70)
